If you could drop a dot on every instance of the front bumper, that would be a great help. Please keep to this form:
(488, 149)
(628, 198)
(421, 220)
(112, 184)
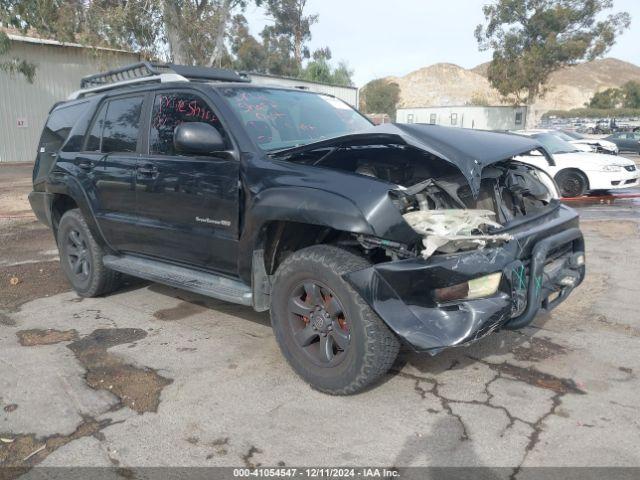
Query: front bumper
(535, 265)
(613, 180)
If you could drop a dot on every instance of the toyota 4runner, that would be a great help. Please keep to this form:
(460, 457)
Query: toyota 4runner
(356, 238)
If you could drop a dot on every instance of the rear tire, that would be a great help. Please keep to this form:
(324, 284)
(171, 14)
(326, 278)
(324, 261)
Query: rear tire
(572, 183)
(335, 341)
(81, 257)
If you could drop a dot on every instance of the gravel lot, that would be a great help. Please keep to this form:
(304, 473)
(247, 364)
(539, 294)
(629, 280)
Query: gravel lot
(156, 376)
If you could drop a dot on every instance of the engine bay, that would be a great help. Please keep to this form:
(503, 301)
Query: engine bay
(435, 198)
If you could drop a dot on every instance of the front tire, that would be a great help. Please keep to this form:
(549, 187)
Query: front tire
(572, 183)
(327, 333)
(81, 257)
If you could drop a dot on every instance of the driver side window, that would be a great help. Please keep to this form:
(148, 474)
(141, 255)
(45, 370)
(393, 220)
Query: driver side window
(172, 109)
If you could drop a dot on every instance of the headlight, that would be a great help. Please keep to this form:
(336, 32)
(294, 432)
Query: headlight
(611, 168)
(476, 288)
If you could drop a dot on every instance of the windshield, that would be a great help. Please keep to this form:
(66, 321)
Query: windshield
(563, 136)
(574, 135)
(553, 144)
(278, 119)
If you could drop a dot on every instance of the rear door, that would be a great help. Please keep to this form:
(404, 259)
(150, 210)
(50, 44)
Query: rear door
(187, 205)
(109, 158)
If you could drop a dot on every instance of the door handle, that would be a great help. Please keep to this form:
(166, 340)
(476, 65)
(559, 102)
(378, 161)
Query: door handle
(148, 169)
(86, 164)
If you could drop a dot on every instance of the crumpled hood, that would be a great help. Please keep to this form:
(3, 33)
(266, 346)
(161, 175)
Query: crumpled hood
(469, 150)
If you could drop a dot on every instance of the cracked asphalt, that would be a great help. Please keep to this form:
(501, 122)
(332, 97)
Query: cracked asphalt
(154, 376)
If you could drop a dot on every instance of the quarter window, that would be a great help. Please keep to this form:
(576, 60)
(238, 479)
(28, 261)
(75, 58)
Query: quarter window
(59, 126)
(172, 109)
(121, 125)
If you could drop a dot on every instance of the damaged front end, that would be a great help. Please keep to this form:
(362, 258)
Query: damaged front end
(491, 243)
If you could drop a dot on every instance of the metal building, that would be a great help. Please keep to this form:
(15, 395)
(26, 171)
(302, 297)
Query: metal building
(59, 68)
(467, 116)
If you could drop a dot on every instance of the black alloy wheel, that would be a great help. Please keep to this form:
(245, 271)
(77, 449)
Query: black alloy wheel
(318, 322)
(78, 254)
(329, 335)
(81, 257)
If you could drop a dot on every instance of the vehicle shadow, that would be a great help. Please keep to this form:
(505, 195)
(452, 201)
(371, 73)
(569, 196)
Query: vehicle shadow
(500, 346)
(444, 454)
(196, 300)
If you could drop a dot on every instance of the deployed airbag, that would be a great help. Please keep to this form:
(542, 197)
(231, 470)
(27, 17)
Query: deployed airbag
(452, 230)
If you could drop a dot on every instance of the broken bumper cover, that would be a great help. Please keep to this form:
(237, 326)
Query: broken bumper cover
(540, 267)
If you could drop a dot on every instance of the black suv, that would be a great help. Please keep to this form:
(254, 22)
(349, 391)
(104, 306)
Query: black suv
(356, 238)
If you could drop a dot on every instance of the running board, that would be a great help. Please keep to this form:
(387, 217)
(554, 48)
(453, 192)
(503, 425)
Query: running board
(207, 284)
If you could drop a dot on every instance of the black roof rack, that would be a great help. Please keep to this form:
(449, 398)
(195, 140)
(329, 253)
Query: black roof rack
(143, 70)
(208, 73)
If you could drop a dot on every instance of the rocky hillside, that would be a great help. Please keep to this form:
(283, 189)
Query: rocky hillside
(571, 87)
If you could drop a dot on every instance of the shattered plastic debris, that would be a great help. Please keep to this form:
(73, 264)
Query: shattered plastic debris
(451, 230)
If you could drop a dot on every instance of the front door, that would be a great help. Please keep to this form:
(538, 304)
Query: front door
(110, 159)
(187, 205)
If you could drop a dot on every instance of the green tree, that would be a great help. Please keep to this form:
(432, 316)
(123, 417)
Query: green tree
(380, 96)
(531, 39)
(291, 26)
(249, 54)
(609, 98)
(321, 70)
(14, 65)
(631, 92)
(195, 30)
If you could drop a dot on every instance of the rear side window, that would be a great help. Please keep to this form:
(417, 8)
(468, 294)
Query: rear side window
(58, 127)
(121, 125)
(172, 109)
(55, 133)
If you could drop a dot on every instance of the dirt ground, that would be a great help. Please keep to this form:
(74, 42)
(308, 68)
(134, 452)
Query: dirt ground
(154, 376)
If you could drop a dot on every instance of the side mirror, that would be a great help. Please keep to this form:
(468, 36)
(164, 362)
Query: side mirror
(197, 138)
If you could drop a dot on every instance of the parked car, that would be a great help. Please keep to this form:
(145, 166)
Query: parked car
(597, 145)
(356, 238)
(577, 172)
(626, 141)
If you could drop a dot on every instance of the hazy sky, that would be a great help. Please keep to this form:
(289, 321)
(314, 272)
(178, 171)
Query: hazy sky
(394, 37)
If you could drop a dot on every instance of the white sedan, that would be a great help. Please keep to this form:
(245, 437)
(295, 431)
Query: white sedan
(598, 145)
(576, 172)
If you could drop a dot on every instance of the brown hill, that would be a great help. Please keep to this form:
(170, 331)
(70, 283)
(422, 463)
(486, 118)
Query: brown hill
(443, 84)
(571, 87)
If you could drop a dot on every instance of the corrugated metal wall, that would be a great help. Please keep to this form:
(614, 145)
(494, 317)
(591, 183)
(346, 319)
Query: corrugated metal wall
(24, 106)
(347, 94)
